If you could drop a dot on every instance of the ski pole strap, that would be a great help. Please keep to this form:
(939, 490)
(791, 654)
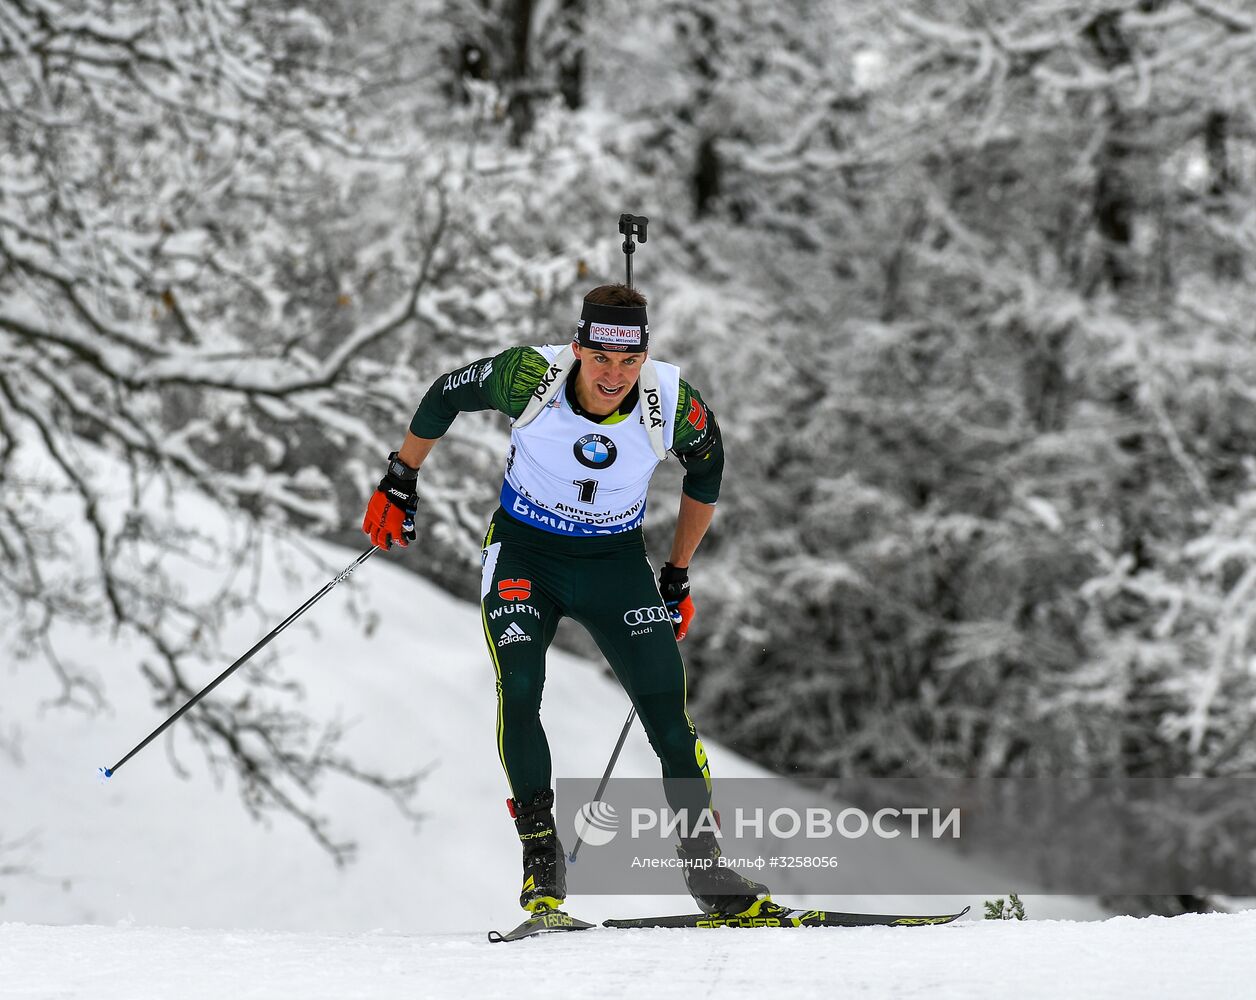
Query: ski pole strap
(613, 328)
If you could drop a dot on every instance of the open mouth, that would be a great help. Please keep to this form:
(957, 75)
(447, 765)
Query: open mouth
(608, 392)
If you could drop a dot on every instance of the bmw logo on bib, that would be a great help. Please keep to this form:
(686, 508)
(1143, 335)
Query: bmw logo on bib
(594, 451)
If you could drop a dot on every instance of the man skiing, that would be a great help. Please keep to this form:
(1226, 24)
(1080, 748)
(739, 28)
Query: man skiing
(590, 423)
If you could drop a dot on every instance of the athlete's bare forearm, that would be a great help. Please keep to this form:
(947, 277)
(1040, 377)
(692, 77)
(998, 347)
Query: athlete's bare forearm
(414, 449)
(691, 525)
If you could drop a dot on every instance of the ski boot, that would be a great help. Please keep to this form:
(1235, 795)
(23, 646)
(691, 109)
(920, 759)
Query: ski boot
(544, 866)
(717, 889)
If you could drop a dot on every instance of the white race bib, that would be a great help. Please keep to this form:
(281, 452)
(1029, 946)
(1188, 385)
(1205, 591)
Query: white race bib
(571, 476)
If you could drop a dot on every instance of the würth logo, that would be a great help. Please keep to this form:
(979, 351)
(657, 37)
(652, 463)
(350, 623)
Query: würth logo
(514, 590)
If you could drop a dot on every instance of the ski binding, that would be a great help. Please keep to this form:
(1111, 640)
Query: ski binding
(543, 921)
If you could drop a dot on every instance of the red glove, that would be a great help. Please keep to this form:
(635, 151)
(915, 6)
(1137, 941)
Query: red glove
(390, 513)
(674, 586)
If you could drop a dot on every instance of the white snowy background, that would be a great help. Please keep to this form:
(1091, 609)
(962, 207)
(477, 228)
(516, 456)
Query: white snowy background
(968, 285)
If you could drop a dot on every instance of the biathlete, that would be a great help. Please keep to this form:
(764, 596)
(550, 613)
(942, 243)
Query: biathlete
(591, 420)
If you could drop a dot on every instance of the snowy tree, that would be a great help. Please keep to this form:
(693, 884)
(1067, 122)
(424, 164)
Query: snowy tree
(156, 154)
(1000, 386)
(525, 54)
(221, 270)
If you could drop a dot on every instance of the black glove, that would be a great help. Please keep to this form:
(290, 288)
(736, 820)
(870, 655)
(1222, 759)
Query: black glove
(390, 513)
(674, 586)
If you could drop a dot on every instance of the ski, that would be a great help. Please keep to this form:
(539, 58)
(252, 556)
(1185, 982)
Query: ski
(773, 915)
(543, 922)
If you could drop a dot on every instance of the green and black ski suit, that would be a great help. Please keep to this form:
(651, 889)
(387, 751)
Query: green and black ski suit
(565, 544)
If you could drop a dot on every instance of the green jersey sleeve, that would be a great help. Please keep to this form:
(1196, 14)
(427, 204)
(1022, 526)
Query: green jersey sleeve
(503, 383)
(698, 444)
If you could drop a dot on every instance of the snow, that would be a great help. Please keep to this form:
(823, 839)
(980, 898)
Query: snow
(1195, 956)
(152, 886)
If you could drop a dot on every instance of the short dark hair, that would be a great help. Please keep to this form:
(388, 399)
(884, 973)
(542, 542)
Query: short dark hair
(615, 295)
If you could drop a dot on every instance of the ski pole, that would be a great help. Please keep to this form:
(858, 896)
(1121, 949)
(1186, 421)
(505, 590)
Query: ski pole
(632, 714)
(108, 772)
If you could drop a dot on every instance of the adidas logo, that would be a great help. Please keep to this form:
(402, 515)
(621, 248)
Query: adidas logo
(513, 633)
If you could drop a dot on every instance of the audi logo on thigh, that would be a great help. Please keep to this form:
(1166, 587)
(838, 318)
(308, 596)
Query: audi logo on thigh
(643, 616)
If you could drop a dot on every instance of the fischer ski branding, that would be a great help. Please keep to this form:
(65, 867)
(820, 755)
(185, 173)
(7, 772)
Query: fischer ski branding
(772, 915)
(767, 914)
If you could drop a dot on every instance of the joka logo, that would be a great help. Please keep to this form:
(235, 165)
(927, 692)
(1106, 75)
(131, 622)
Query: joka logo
(513, 633)
(546, 381)
(655, 407)
(514, 590)
(597, 823)
(643, 616)
(595, 451)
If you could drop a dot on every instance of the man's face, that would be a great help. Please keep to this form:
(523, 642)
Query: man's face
(606, 377)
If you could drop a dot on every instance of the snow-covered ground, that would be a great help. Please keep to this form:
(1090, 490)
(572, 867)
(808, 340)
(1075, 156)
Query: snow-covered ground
(187, 897)
(1191, 956)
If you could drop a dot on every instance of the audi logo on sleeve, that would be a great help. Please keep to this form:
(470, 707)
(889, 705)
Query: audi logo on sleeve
(644, 616)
